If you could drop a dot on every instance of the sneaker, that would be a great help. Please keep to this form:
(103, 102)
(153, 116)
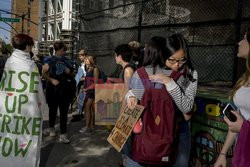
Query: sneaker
(64, 139)
(85, 130)
(52, 132)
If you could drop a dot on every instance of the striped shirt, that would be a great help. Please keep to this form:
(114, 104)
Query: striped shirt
(183, 91)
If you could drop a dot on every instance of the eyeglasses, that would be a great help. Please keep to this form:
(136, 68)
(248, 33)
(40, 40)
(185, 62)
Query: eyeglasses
(174, 61)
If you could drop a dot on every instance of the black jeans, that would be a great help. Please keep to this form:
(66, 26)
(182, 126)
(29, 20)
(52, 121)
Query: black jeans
(56, 98)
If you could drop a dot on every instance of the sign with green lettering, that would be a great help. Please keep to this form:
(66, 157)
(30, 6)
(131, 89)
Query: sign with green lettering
(21, 105)
(13, 20)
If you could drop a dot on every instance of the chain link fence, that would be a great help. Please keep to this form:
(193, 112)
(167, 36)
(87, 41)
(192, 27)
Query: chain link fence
(212, 29)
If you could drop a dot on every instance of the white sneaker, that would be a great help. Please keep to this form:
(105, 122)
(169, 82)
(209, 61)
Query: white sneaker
(64, 139)
(52, 132)
(85, 130)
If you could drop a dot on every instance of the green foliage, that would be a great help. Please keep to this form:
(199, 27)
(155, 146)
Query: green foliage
(6, 48)
(9, 47)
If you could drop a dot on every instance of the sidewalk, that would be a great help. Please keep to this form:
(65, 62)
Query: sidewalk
(85, 150)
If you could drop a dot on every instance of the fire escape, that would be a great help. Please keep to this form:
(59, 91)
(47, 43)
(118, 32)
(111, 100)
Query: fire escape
(58, 22)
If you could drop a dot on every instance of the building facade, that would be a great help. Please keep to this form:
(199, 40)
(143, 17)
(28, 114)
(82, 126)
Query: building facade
(28, 10)
(28, 13)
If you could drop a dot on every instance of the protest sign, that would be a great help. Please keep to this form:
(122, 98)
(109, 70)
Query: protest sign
(21, 104)
(108, 101)
(124, 126)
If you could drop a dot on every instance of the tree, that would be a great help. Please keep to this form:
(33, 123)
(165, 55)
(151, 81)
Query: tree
(6, 48)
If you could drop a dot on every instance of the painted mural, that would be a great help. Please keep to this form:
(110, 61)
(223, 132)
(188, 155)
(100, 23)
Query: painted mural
(108, 102)
(208, 128)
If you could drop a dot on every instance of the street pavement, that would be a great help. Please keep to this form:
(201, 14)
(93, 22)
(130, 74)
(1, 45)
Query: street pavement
(84, 150)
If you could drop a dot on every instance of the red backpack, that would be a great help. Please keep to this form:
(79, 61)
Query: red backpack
(157, 143)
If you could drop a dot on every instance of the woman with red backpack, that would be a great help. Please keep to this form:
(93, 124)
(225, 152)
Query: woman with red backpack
(167, 64)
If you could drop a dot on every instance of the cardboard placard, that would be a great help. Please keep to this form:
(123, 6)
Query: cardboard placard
(108, 102)
(124, 126)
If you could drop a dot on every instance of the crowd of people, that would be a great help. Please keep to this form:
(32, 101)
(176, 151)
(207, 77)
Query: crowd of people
(163, 61)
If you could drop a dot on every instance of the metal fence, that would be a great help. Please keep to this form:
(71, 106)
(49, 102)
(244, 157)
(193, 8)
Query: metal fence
(212, 28)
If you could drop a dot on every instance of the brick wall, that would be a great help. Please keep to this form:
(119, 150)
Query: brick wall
(22, 7)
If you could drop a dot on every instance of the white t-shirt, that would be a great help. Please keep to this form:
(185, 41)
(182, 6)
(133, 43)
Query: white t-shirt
(242, 101)
(83, 68)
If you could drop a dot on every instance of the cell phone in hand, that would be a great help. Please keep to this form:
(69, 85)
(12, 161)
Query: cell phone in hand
(228, 112)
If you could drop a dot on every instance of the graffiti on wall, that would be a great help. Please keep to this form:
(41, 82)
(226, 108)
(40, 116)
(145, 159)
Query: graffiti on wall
(208, 127)
(108, 101)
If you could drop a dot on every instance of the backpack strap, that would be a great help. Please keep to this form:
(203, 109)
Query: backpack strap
(176, 74)
(128, 65)
(102, 76)
(145, 79)
(143, 76)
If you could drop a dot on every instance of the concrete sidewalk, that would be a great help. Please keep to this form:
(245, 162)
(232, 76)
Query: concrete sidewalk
(85, 150)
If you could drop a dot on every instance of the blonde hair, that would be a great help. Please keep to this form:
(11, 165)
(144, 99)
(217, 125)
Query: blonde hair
(83, 51)
(134, 44)
(244, 79)
(92, 60)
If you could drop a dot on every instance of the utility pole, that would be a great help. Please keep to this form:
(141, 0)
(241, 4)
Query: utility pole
(23, 16)
(19, 16)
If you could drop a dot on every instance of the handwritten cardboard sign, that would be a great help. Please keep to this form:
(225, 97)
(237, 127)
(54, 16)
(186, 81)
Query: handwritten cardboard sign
(108, 101)
(124, 126)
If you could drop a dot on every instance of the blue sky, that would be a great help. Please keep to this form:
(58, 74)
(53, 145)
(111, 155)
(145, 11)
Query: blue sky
(5, 5)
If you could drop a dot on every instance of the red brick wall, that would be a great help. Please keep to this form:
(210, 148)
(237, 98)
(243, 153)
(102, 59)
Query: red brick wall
(21, 7)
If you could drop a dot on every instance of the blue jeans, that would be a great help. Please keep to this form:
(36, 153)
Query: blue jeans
(184, 148)
(132, 163)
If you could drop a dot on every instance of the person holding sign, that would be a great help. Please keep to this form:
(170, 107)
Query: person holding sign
(21, 105)
(92, 76)
(80, 77)
(240, 96)
(81, 72)
(172, 54)
(123, 55)
(55, 70)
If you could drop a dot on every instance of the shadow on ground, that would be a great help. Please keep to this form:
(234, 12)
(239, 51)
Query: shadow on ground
(85, 150)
